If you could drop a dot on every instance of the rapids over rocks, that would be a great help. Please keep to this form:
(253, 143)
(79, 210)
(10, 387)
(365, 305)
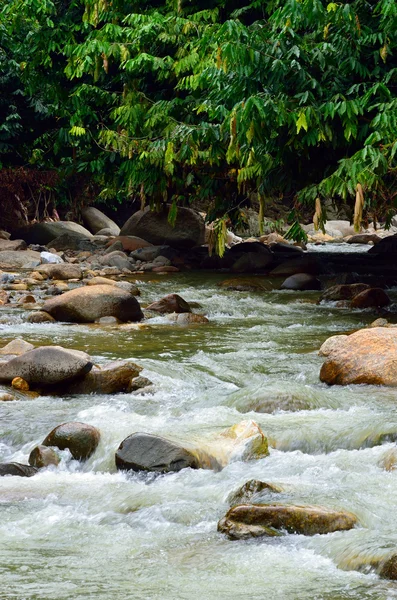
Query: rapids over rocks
(84, 530)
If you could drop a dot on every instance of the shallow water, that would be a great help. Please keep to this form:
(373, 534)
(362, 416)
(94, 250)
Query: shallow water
(86, 531)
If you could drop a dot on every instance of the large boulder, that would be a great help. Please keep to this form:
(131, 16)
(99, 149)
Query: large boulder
(170, 304)
(146, 452)
(62, 271)
(73, 240)
(124, 285)
(300, 282)
(79, 438)
(386, 247)
(366, 356)
(17, 469)
(95, 220)
(372, 298)
(47, 365)
(302, 264)
(251, 262)
(12, 245)
(19, 258)
(343, 291)
(86, 304)
(256, 520)
(111, 378)
(42, 233)
(188, 231)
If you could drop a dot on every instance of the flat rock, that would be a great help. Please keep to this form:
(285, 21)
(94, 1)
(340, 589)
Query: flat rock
(366, 356)
(86, 304)
(19, 258)
(146, 452)
(79, 438)
(46, 365)
(62, 271)
(12, 245)
(256, 520)
(111, 378)
(17, 469)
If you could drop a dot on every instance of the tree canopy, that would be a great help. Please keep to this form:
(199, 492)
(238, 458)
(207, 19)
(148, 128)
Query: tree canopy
(208, 100)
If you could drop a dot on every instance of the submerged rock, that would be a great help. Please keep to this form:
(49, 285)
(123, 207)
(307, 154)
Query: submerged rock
(366, 356)
(17, 469)
(256, 520)
(170, 304)
(85, 305)
(42, 457)
(79, 438)
(388, 568)
(190, 319)
(46, 365)
(252, 489)
(147, 452)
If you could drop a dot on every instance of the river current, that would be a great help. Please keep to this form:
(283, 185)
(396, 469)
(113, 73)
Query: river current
(84, 530)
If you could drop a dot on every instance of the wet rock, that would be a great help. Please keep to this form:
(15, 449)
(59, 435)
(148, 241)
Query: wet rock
(190, 319)
(170, 304)
(386, 247)
(43, 233)
(12, 244)
(16, 347)
(250, 284)
(250, 262)
(39, 316)
(366, 356)
(95, 220)
(343, 292)
(27, 299)
(63, 272)
(20, 384)
(139, 383)
(165, 269)
(6, 397)
(85, 305)
(124, 285)
(255, 520)
(41, 457)
(46, 365)
(17, 469)
(372, 298)
(3, 297)
(251, 490)
(111, 378)
(388, 568)
(19, 258)
(79, 438)
(301, 281)
(188, 230)
(107, 321)
(146, 452)
(129, 243)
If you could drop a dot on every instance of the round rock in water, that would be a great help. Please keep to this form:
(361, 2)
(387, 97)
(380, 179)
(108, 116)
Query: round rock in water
(146, 452)
(170, 304)
(47, 365)
(79, 438)
(41, 457)
(17, 469)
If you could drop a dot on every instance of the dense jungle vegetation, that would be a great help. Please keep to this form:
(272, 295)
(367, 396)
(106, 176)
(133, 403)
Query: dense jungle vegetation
(206, 101)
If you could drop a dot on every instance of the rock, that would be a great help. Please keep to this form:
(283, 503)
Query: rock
(170, 304)
(20, 384)
(301, 281)
(19, 258)
(165, 269)
(331, 344)
(147, 254)
(146, 452)
(111, 378)
(73, 241)
(363, 238)
(64, 271)
(190, 318)
(16, 347)
(140, 383)
(372, 298)
(334, 228)
(39, 316)
(124, 285)
(106, 232)
(244, 285)
(387, 247)
(27, 299)
(12, 245)
(3, 297)
(42, 233)
(367, 356)
(256, 520)
(50, 258)
(4, 235)
(95, 220)
(129, 243)
(86, 304)
(17, 287)
(343, 292)
(388, 568)
(107, 321)
(17, 469)
(41, 457)
(250, 262)
(114, 247)
(79, 438)
(285, 248)
(252, 489)
(46, 365)
(302, 264)
(379, 323)
(188, 231)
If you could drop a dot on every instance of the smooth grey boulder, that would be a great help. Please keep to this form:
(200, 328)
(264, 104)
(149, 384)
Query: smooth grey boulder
(301, 282)
(47, 365)
(73, 240)
(95, 220)
(147, 452)
(79, 438)
(188, 231)
(86, 304)
(19, 258)
(17, 469)
(42, 233)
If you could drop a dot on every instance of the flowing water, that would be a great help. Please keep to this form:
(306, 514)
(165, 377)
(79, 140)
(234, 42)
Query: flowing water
(86, 531)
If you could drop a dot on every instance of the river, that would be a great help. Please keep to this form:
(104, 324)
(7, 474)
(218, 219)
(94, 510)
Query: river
(86, 531)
